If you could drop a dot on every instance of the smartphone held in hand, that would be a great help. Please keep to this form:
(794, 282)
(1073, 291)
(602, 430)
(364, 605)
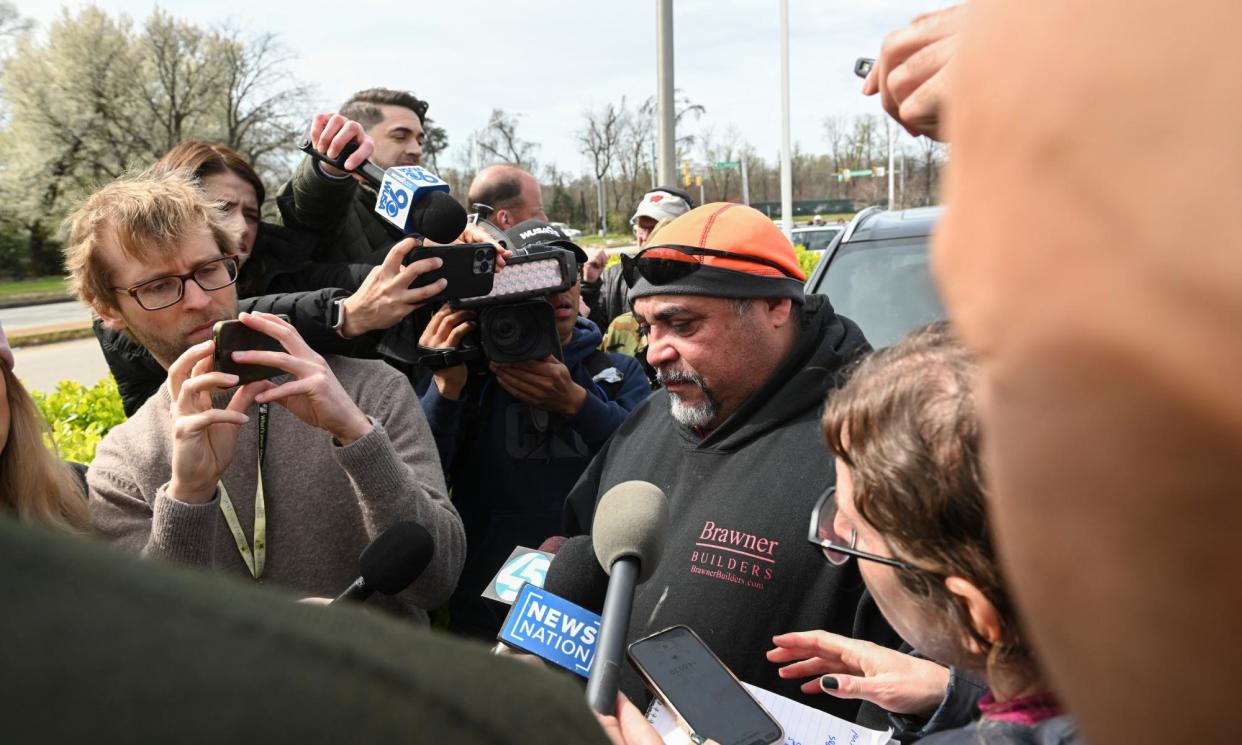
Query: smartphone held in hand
(235, 336)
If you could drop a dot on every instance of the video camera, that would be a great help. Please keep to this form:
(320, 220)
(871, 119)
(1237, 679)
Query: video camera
(515, 321)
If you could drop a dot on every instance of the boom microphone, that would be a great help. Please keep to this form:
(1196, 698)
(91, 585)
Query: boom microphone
(391, 562)
(628, 533)
(410, 197)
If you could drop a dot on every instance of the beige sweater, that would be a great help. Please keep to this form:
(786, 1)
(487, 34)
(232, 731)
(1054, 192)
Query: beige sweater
(324, 502)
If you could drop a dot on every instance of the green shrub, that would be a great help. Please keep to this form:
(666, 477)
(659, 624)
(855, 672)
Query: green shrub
(807, 259)
(79, 416)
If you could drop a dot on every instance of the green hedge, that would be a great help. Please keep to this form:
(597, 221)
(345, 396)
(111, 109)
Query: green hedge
(808, 259)
(79, 417)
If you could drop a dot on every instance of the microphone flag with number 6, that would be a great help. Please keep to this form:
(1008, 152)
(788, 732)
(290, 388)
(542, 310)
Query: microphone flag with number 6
(401, 188)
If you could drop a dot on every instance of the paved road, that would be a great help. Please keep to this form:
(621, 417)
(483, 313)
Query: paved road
(42, 315)
(40, 368)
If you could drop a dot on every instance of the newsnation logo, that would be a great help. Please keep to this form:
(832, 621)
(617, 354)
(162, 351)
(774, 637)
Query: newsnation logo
(552, 628)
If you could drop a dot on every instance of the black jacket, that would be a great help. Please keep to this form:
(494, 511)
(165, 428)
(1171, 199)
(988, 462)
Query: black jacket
(276, 279)
(736, 565)
(341, 210)
(607, 297)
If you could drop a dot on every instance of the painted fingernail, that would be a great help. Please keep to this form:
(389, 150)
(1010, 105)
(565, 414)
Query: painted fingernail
(828, 683)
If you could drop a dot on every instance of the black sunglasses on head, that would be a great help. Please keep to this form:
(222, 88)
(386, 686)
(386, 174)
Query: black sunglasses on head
(662, 265)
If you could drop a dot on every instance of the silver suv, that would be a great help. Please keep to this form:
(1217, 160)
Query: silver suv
(875, 273)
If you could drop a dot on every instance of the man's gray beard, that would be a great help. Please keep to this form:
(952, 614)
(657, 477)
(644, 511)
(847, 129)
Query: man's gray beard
(698, 415)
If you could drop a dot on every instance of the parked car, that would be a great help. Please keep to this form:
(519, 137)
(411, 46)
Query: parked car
(875, 273)
(573, 233)
(816, 237)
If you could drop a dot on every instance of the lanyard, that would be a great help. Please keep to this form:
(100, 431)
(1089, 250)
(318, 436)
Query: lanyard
(253, 563)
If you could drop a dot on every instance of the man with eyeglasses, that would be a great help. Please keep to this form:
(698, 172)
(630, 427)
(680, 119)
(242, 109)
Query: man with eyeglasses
(733, 439)
(213, 475)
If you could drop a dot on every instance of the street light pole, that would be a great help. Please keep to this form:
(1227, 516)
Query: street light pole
(745, 184)
(665, 111)
(889, 126)
(786, 158)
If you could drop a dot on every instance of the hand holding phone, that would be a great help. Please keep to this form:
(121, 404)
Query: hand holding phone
(704, 694)
(390, 293)
(235, 336)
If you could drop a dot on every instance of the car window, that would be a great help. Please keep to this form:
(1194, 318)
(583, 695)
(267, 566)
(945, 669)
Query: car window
(815, 240)
(884, 287)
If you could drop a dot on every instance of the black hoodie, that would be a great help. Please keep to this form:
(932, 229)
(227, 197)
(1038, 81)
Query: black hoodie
(737, 567)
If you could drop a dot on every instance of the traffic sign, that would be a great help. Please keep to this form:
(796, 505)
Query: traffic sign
(726, 164)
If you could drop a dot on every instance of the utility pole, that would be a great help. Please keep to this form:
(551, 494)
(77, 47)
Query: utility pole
(603, 215)
(745, 184)
(665, 113)
(786, 158)
(888, 125)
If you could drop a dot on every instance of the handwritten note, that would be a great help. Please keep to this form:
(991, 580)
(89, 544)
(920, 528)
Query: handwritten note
(802, 724)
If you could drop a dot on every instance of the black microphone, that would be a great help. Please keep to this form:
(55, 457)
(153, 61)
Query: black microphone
(421, 205)
(391, 562)
(628, 533)
(575, 574)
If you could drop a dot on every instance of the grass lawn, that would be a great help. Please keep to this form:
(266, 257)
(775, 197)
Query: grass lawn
(608, 241)
(34, 289)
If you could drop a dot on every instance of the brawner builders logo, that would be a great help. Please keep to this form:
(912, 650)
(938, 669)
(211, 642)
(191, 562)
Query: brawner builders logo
(734, 556)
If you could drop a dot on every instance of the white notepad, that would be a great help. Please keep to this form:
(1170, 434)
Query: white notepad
(802, 724)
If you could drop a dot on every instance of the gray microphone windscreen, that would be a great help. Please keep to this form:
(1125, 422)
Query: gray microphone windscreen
(629, 521)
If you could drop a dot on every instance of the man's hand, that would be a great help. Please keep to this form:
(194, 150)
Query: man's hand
(896, 682)
(475, 234)
(544, 384)
(330, 133)
(385, 297)
(204, 437)
(315, 396)
(910, 72)
(445, 331)
(595, 267)
(628, 726)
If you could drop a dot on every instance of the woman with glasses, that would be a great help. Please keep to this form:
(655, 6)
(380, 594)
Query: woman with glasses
(909, 507)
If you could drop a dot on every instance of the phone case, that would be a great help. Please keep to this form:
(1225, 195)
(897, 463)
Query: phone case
(469, 268)
(235, 336)
(655, 688)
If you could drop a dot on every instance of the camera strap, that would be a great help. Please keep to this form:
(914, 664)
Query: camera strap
(255, 560)
(439, 358)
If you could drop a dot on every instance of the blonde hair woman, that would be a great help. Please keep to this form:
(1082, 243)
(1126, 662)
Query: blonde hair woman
(34, 484)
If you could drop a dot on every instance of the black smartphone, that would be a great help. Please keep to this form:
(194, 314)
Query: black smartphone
(862, 66)
(697, 687)
(235, 336)
(468, 267)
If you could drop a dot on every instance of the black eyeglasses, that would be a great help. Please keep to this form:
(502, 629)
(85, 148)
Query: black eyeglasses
(162, 292)
(836, 549)
(661, 265)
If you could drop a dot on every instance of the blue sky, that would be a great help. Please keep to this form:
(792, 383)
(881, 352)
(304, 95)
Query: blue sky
(548, 60)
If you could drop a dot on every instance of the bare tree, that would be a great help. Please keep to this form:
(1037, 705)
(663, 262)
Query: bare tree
(499, 141)
(598, 140)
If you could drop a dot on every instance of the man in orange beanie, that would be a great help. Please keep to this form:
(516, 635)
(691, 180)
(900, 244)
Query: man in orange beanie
(733, 440)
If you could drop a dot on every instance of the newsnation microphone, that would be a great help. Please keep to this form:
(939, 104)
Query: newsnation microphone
(99, 646)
